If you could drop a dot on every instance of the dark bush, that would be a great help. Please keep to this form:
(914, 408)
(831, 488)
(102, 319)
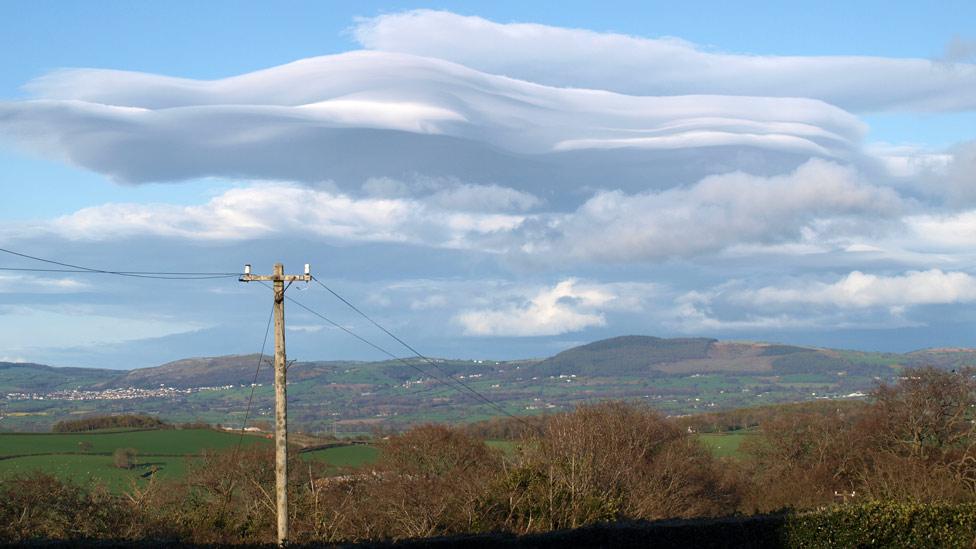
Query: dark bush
(889, 524)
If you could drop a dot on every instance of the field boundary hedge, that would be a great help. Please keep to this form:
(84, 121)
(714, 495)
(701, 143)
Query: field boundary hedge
(875, 524)
(101, 454)
(94, 432)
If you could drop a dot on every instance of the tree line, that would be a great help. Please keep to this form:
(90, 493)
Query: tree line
(126, 421)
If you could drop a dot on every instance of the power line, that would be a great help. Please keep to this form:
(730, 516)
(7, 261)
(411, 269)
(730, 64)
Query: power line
(257, 369)
(359, 337)
(433, 363)
(163, 275)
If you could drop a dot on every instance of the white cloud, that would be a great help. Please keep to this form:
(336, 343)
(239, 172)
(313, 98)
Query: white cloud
(467, 197)
(360, 115)
(861, 290)
(693, 312)
(940, 232)
(817, 208)
(569, 306)
(263, 210)
(451, 194)
(436, 301)
(305, 328)
(32, 284)
(813, 202)
(856, 300)
(668, 66)
(961, 173)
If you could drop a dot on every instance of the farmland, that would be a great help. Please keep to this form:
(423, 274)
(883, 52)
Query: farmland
(675, 376)
(166, 453)
(726, 444)
(163, 453)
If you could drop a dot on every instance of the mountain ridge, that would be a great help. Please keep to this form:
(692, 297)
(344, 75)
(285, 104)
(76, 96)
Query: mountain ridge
(674, 375)
(616, 356)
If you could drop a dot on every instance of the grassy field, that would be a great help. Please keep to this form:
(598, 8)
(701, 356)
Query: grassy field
(341, 457)
(156, 442)
(97, 469)
(165, 452)
(725, 444)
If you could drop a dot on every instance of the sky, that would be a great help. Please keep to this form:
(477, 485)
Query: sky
(488, 180)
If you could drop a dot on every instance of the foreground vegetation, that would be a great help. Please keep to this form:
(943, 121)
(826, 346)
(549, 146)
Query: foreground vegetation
(900, 470)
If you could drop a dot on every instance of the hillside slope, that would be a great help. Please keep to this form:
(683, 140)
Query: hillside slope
(38, 378)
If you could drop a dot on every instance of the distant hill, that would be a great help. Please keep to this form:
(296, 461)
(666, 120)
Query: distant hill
(678, 376)
(38, 378)
(626, 355)
(195, 372)
(653, 356)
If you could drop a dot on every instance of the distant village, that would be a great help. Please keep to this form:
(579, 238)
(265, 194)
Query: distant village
(127, 393)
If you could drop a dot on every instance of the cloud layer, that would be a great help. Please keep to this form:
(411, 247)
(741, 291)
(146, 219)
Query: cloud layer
(820, 203)
(669, 66)
(471, 180)
(568, 306)
(357, 115)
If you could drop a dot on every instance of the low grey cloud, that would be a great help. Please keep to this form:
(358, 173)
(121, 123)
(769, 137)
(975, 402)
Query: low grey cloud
(856, 299)
(817, 202)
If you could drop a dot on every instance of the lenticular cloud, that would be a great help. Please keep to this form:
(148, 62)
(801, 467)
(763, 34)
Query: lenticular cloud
(665, 66)
(357, 115)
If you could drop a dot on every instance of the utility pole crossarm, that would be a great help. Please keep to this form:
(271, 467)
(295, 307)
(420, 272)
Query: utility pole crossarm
(248, 277)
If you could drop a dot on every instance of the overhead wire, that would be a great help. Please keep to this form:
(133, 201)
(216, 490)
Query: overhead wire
(403, 361)
(419, 355)
(171, 275)
(257, 369)
(161, 275)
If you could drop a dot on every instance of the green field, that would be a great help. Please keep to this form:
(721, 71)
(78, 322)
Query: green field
(165, 452)
(725, 444)
(97, 469)
(168, 442)
(339, 457)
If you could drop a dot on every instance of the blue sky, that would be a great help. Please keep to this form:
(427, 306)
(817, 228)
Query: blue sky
(795, 172)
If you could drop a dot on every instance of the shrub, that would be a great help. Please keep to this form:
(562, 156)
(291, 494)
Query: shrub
(607, 461)
(431, 480)
(124, 458)
(888, 524)
(41, 506)
(915, 443)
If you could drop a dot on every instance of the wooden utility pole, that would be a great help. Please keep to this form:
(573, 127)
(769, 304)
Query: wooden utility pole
(281, 394)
